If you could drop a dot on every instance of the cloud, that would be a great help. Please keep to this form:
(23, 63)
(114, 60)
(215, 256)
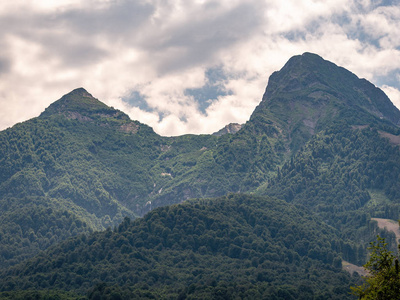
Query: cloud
(154, 59)
(393, 94)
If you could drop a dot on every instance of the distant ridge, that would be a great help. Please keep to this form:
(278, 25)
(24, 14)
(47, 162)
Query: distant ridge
(230, 128)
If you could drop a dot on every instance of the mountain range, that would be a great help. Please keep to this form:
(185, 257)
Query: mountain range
(91, 201)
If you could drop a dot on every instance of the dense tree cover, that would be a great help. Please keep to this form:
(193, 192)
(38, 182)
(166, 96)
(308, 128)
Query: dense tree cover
(90, 160)
(41, 295)
(383, 280)
(47, 163)
(28, 227)
(215, 167)
(241, 245)
(335, 175)
(83, 166)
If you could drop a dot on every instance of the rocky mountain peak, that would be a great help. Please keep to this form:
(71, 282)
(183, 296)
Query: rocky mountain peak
(230, 128)
(310, 93)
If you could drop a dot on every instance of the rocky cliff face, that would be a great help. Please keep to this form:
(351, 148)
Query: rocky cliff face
(230, 128)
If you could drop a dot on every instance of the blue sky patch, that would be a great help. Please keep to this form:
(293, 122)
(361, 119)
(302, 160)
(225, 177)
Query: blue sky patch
(213, 88)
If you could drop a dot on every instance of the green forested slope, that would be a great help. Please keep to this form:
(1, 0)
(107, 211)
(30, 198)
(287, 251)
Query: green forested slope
(82, 166)
(55, 166)
(309, 94)
(336, 175)
(91, 163)
(239, 245)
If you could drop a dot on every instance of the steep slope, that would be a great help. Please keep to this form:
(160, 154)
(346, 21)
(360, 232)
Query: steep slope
(81, 160)
(230, 128)
(338, 171)
(83, 166)
(93, 165)
(239, 245)
(309, 94)
(209, 166)
(340, 132)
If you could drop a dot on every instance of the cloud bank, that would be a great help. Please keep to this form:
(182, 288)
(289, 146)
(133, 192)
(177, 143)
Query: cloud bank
(183, 66)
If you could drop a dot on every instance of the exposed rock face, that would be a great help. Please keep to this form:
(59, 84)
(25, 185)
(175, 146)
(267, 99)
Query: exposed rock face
(129, 127)
(230, 128)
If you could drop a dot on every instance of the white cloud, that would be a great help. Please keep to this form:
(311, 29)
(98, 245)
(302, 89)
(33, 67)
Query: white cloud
(393, 94)
(162, 48)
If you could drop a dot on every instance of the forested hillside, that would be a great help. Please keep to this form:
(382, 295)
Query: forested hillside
(239, 245)
(91, 164)
(321, 150)
(346, 175)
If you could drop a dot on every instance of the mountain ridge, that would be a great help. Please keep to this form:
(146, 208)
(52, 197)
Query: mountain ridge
(309, 93)
(315, 139)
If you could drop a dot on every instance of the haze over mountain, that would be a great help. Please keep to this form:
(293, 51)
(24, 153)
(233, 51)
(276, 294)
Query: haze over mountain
(321, 138)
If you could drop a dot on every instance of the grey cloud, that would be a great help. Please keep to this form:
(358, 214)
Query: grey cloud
(5, 65)
(136, 99)
(200, 39)
(74, 52)
(72, 35)
(116, 21)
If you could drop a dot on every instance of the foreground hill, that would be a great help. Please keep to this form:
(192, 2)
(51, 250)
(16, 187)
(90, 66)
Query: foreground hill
(239, 245)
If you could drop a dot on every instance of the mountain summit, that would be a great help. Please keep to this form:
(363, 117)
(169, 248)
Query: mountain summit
(82, 106)
(310, 93)
(77, 101)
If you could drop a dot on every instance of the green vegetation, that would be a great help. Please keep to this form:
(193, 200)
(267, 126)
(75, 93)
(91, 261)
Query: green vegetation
(40, 295)
(242, 245)
(91, 162)
(333, 176)
(315, 144)
(383, 281)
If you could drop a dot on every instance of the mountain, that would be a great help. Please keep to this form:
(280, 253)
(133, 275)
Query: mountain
(322, 140)
(73, 169)
(82, 166)
(309, 94)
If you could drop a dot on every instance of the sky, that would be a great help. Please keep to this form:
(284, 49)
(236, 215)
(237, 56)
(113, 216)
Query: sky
(183, 66)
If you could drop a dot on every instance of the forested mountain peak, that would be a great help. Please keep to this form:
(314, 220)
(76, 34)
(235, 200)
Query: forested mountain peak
(309, 94)
(81, 105)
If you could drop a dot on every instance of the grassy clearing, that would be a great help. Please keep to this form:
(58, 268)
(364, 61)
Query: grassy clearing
(378, 197)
